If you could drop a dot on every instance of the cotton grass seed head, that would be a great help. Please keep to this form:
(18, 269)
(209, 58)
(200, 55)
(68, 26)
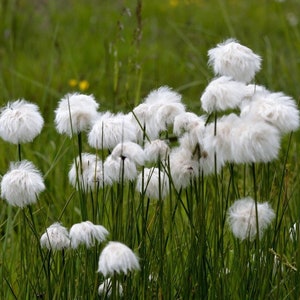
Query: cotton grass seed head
(224, 93)
(156, 150)
(111, 129)
(235, 60)
(254, 141)
(87, 233)
(164, 105)
(163, 95)
(20, 122)
(130, 150)
(184, 169)
(91, 175)
(117, 258)
(294, 232)
(56, 237)
(105, 288)
(120, 169)
(22, 184)
(185, 122)
(242, 218)
(75, 113)
(157, 112)
(146, 124)
(154, 183)
(277, 109)
(218, 137)
(166, 113)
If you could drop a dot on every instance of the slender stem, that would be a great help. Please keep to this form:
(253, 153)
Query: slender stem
(257, 259)
(19, 152)
(79, 140)
(277, 220)
(81, 182)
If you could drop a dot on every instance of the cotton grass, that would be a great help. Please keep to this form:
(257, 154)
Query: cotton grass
(20, 122)
(22, 184)
(117, 258)
(245, 222)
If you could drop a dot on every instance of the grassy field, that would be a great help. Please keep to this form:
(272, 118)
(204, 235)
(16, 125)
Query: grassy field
(119, 51)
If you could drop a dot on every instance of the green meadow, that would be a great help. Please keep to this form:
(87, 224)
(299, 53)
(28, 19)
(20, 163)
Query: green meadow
(119, 51)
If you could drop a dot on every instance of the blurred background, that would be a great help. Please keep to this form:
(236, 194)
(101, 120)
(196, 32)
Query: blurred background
(120, 50)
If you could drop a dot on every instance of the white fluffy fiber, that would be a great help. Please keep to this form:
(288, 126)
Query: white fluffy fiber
(156, 150)
(118, 258)
(235, 60)
(90, 174)
(87, 233)
(130, 150)
(157, 112)
(186, 122)
(224, 93)
(218, 138)
(111, 129)
(75, 113)
(105, 288)
(183, 167)
(254, 141)
(277, 109)
(154, 183)
(20, 122)
(56, 237)
(118, 169)
(21, 185)
(163, 95)
(242, 218)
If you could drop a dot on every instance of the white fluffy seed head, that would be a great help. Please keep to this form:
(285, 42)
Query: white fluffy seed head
(215, 144)
(242, 218)
(75, 113)
(118, 258)
(22, 184)
(163, 95)
(109, 130)
(183, 167)
(20, 122)
(254, 141)
(210, 162)
(105, 288)
(129, 150)
(157, 112)
(235, 60)
(90, 174)
(224, 93)
(294, 232)
(156, 150)
(120, 169)
(153, 183)
(166, 113)
(275, 108)
(87, 233)
(218, 137)
(186, 121)
(144, 120)
(56, 237)
(164, 105)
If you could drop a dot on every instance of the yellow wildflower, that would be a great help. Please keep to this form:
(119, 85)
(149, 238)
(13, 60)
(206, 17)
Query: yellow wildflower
(174, 3)
(83, 85)
(73, 82)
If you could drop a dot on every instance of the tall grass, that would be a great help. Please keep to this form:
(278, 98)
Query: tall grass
(184, 243)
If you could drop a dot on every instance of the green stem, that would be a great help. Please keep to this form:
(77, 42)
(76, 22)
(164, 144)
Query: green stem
(257, 258)
(277, 220)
